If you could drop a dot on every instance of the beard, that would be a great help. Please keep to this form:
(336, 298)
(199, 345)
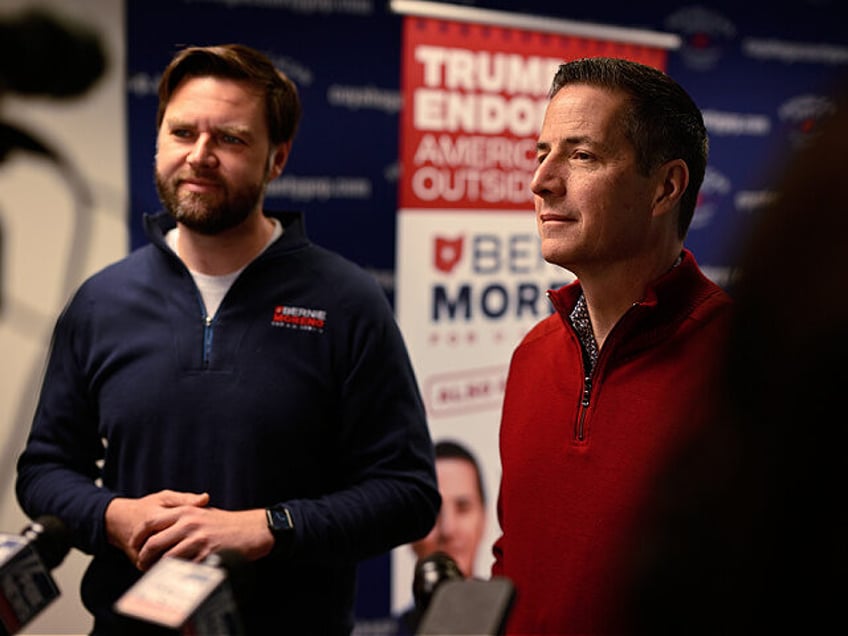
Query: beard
(209, 213)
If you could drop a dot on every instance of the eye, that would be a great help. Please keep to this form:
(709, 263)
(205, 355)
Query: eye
(182, 133)
(232, 139)
(582, 155)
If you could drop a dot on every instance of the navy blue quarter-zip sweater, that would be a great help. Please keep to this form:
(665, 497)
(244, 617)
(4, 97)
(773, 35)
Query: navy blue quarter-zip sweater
(298, 390)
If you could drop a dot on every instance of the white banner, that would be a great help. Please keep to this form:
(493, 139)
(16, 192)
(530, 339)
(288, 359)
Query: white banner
(470, 277)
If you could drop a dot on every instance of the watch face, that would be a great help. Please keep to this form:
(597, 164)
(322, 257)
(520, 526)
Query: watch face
(279, 519)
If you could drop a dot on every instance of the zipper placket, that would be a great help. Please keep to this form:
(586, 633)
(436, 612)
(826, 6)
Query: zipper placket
(207, 340)
(586, 396)
(206, 352)
(585, 400)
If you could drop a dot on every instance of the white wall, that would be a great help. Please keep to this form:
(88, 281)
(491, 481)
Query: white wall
(43, 260)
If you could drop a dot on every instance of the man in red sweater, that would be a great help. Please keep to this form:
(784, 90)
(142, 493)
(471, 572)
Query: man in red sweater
(603, 392)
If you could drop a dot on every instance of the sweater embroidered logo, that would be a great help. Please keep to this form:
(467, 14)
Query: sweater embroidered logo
(299, 318)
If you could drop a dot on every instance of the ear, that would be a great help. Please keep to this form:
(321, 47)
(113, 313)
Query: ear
(672, 179)
(277, 160)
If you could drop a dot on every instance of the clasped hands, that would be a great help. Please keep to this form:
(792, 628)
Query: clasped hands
(181, 524)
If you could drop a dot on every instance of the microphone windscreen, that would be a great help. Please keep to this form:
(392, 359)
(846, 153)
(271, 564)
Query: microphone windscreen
(51, 538)
(240, 574)
(430, 572)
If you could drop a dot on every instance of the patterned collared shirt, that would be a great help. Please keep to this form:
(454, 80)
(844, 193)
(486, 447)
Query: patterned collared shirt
(579, 318)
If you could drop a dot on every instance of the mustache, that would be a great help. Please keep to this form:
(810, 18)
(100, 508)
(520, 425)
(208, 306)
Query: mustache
(199, 175)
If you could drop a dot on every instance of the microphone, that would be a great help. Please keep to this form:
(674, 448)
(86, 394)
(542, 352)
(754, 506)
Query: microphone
(189, 598)
(448, 603)
(430, 572)
(26, 585)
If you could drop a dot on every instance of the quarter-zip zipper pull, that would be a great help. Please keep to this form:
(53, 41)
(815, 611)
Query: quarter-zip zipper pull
(207, 339)
(584, 405)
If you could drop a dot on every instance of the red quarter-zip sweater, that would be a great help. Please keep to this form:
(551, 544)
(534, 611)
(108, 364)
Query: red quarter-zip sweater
(580, 457)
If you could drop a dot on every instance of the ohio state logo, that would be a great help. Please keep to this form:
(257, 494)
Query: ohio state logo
(447, 253)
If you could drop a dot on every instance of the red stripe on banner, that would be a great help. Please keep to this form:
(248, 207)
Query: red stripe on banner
(474, 96)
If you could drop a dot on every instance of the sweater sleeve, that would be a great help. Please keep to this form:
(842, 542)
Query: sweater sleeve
(58, 470)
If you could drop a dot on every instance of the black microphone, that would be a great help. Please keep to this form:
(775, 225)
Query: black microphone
(221, 614)
(26, 560)
(430, 572)
(189, 598)
(446, 602)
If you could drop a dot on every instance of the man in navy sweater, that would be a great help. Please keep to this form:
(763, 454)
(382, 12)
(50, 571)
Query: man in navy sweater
(230, 386)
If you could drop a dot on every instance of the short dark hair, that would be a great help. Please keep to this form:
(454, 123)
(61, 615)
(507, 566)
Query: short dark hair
(661, 121)
(449, 449)
(239, 62)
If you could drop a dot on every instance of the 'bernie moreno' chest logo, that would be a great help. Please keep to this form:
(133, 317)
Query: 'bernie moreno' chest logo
(299, 318)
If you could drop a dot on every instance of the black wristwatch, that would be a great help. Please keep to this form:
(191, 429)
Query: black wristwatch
(281, 525)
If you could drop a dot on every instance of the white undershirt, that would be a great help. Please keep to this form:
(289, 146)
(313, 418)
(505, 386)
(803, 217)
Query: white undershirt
(213, 288)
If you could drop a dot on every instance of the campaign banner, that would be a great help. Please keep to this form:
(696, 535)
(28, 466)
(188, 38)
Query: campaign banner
(474, 97)
(470, 278)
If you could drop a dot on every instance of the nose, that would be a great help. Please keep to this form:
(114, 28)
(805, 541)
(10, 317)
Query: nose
(202, 153)
(446, 522)
(546, 179)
